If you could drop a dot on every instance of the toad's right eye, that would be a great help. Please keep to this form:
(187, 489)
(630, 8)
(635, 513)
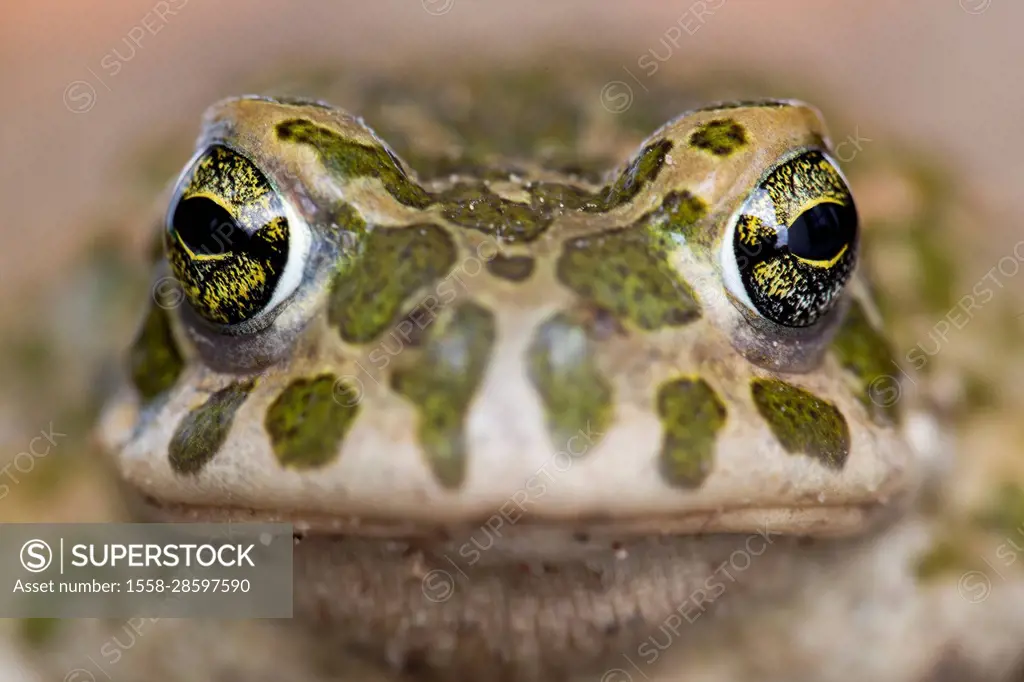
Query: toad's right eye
(232, 241)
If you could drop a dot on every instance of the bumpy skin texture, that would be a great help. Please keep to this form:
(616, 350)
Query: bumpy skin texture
(593, 466)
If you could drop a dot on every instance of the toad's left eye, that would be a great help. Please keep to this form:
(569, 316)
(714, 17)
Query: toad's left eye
(234, 244)
(792, 245)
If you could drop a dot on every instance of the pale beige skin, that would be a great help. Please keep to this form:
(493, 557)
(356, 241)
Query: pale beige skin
(717, 575)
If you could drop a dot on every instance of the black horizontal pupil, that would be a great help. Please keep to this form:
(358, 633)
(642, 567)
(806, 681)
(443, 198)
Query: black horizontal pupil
(821, 232)
(206, 227)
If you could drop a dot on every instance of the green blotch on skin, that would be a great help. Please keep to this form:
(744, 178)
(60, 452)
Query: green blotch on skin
(348, 221)
(864, 352)
(556, 197)
(202, 431)
(442, 382)
(349, 159)
(683, 209)
(627, 272)
(692, 415)
(478, 208)
(643, 169)
(309, 419)
(721, 137)
(37, 632)
(679, 213)
(154, 361)
(802, 422)
(1005, 513)
(562, 367)
(512, 268)
(389, 266)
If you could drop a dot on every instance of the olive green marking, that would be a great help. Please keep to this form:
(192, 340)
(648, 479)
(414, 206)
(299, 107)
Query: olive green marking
(862, 350)
(562, 367)
(347, 229)
(721, 137)
(692, 415)
(557, 197)
(346, 158)
(442, 383)
(389, 266)
(643, 169)
(476, 207)
(202, 431)
(154, 361)
(512, 268)
(680, 212)
(628, 273)
(309, 419)
(802, 422)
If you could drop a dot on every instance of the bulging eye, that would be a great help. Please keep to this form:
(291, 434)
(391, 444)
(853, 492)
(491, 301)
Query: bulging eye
(792, 245)
(233, 243)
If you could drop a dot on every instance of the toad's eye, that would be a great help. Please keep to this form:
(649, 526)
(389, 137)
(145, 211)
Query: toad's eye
(233, 243)
(792, 245)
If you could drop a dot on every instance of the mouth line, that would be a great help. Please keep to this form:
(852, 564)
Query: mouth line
(821, 521)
